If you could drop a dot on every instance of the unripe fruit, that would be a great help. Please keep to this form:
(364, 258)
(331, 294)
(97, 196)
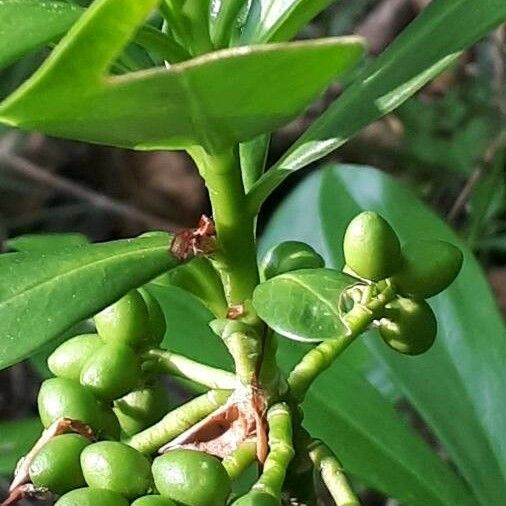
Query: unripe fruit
(109, 427)
(111, 372)
(428, 268)
(157, 323)
(191, 478)
(92, 497)
(116, 466)
(63, 398)
(153, 500)
(68, 359)
(410, 326)
(290, 256)
(141, 408)
(371, 247)
(57, 465)
(257, 498)
(125, 322)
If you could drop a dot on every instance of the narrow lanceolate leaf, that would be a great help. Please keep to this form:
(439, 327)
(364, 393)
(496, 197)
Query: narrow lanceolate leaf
(304, 305)
(26, 25)
(458, 386)
(427, 47)
(16, 440)
(45, 242)
(272, 20)
(213, 100)
(44, 294)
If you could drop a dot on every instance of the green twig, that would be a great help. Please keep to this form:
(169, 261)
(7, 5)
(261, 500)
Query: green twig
(238, 461)
(177, 365)
(177, 421)
(331, 471)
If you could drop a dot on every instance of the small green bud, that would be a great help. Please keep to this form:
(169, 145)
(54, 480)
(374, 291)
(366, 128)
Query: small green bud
(371, 247)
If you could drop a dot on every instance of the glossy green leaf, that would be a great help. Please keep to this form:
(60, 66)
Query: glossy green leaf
(463, 377)
(16, 440)
(274, 20)
(26, 25)
(304, 305)
(355, 420)
(44, 294)
(213, 100)
(429, 45)
(45, 242)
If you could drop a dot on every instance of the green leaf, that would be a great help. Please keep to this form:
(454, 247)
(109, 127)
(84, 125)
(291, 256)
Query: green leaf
(272, 20)
(429, 45)
(303, 305)
(457, 387)
(16, 440)
(26, 25)
(39, 243)
(44, 294)
(213, 100)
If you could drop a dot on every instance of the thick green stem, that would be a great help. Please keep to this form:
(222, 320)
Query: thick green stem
(320, 358)
(280, 450)
(161, 361)
(238, 461)
(177, 421)
(235, 227)
(331, 471)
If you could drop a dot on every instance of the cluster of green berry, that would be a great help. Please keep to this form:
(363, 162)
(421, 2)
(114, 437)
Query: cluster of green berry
(100, 383)
(417, 271)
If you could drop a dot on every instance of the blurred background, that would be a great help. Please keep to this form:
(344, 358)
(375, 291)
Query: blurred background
(447, 143)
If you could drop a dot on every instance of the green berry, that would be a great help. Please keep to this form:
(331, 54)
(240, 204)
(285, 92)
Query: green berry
(110, 427)
(125, 322)
(68, 359)
(290, 256)
(64, 398)
(428, 268)
(191, 478)
(92, 497)
(153, 500)
(118, 467)
(111, 372)
(157, 323)
(409, 326)
(257, 498)
(371, 247)
(57, 466)
(141, 408)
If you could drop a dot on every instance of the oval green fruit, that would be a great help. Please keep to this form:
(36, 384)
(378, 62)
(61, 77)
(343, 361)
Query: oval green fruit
(109, 427)
(64, 398)
(191, 478)
(157, 323)
(371, 247)
(125, 322)
(290, 256)
(68, 359)
(118, 467)
(92, 497)
(111, 372)
(153, 500)
(257, 498)
(428, 268)
(57, 465)
(141, 408)
(409, 326)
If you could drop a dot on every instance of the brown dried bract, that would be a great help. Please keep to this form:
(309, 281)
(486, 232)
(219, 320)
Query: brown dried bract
(192, 242)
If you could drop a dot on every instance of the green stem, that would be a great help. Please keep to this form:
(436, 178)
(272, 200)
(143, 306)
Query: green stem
(239, 460)
(177, 421)
(320, 358)
(331, 471)
(280, 450)
(224, 23)
(166, 362)
(235, 227)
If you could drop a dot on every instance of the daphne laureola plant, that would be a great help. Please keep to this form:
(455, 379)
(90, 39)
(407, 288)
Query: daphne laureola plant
(223, 78)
